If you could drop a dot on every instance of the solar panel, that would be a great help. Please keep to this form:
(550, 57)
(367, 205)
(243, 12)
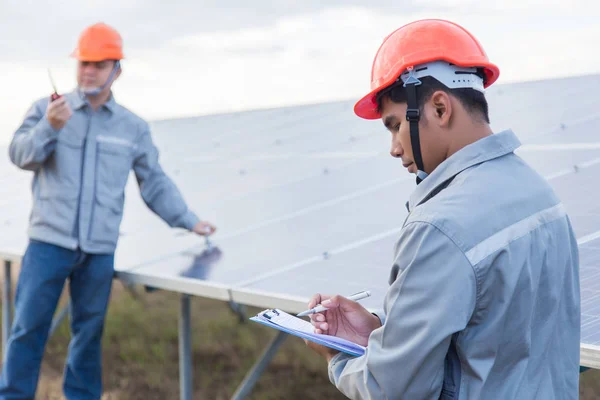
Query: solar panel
(307, 199)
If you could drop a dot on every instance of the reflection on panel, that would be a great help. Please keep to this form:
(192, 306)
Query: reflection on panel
(295, 241)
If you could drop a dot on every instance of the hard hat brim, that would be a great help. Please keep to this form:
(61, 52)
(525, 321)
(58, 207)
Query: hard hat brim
(367, 106)
(90, 58)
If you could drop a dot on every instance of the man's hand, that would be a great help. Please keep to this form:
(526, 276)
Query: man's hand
(58, 113)
(204, 228)
(344, 318)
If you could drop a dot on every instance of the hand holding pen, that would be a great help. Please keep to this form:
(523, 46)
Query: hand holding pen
(343, 317)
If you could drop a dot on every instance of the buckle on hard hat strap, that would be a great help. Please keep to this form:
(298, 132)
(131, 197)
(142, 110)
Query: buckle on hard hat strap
(413, 114)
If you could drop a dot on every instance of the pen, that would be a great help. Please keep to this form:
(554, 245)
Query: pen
(354, 297)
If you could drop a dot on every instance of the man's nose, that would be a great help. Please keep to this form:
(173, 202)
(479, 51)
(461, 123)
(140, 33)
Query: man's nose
(396, 150)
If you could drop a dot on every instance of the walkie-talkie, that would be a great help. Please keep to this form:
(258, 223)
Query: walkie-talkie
(55, 95)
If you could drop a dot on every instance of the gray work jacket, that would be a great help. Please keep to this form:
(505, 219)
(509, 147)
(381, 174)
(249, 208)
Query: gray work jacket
(81, 171)
(484, 296)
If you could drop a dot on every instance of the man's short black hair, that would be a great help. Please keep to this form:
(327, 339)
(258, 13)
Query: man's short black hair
(473, 100)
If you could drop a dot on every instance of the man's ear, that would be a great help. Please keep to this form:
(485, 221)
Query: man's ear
(442, 108)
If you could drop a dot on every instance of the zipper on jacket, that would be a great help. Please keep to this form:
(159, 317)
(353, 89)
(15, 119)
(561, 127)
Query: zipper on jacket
(77, 227)
(89, 232)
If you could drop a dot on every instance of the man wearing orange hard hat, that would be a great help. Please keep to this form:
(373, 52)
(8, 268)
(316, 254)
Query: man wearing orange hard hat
(484, 291)
(80, 147)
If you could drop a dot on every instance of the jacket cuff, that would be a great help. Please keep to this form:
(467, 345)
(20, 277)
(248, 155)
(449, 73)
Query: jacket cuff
(189, 221)
(333, 374)
(44, 131)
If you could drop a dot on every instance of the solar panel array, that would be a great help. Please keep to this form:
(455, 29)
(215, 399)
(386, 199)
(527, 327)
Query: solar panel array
(307, 199)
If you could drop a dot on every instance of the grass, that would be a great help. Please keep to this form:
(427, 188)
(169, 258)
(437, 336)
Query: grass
(140, 355)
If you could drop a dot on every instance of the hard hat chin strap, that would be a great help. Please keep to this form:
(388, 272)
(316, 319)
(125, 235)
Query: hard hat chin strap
(413, 116)
(96, 91)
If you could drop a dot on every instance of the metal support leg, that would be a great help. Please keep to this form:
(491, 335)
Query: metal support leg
(59, 318)
(185, 349)
(258, 368)
(240, 310)
(6, 306)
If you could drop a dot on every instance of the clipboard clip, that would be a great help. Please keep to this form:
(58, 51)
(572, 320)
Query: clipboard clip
(273, 311)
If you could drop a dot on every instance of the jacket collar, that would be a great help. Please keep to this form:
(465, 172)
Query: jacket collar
(78, 100)
(486, 149)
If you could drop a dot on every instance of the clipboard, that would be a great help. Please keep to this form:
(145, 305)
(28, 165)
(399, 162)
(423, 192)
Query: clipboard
(277, 319)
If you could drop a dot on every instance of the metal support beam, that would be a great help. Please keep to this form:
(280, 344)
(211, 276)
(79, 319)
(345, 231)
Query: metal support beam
(185, 349)
(259, 367)
(6, 306)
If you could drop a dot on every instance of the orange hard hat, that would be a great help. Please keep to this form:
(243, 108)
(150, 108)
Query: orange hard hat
(422, 42)
(99, 42)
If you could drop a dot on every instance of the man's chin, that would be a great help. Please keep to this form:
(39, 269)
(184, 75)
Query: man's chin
(89, 90)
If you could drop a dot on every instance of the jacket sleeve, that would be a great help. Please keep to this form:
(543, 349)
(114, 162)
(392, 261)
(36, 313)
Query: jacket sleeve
(433, 297)
(158, 191)
(34, 141)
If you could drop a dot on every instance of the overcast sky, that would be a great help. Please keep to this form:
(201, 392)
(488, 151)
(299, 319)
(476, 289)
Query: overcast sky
(198, 57)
